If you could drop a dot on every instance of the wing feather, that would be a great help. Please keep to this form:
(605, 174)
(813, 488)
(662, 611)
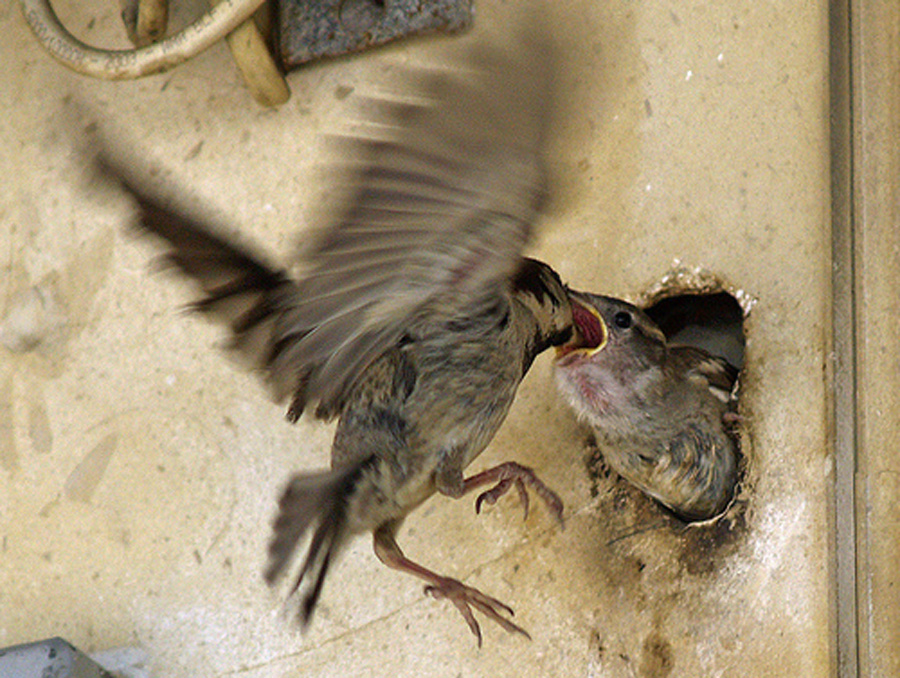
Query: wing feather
(441, 191)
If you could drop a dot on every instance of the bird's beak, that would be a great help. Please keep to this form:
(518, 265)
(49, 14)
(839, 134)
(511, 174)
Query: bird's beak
(590, 334)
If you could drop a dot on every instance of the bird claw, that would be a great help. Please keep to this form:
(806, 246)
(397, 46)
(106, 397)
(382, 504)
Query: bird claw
(465, 598)
(507, 474)
(492, 495)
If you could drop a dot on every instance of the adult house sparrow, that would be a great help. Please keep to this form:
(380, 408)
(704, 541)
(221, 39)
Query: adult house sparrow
(660, 412)
(414, 321)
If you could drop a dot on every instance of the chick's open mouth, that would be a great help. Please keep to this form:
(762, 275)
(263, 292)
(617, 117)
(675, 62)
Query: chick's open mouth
(590, 333)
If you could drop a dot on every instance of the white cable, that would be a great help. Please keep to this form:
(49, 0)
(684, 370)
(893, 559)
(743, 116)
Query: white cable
(134, 63)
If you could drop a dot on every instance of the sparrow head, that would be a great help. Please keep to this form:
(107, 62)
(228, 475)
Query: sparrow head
(539, 288)
(614, 358)
(612, 332)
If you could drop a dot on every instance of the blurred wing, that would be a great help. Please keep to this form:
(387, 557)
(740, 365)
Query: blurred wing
(241, 290)
(443, 191)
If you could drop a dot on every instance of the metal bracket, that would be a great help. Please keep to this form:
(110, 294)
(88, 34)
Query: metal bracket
(311, 29)
(52, 657)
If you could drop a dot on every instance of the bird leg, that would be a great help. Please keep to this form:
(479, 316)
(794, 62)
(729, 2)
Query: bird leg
(507, 474)
(462, 596)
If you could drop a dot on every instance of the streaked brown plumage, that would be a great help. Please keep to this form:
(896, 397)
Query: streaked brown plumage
(660, 413)
(416, 316)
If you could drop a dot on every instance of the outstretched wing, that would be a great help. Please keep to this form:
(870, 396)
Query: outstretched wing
(444, 190)
(241, 290)
(442, 186)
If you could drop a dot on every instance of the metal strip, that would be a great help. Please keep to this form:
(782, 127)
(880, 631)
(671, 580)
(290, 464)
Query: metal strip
(844, 340)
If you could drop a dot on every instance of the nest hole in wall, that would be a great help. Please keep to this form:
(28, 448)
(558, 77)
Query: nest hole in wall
(712, 319)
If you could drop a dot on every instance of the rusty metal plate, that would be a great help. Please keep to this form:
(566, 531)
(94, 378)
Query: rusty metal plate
(310, 29)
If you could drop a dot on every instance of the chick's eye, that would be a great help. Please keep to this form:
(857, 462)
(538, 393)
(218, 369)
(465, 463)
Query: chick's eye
(623, 320)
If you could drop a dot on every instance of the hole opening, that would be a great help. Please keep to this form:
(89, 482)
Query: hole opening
(713, 322)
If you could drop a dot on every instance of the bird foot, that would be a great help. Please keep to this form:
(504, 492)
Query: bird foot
(509, 474)
(462, 596)
(465, 598)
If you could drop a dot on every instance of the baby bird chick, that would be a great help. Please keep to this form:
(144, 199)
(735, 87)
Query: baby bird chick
(660, 413)
(414, 321)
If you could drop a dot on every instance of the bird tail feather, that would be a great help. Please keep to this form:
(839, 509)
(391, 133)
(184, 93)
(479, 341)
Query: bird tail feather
(315, 499)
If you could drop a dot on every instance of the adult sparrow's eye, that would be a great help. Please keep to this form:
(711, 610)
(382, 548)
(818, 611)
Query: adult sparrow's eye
(623, 320)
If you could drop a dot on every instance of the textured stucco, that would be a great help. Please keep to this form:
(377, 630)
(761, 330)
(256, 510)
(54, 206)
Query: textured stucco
(139, 467)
